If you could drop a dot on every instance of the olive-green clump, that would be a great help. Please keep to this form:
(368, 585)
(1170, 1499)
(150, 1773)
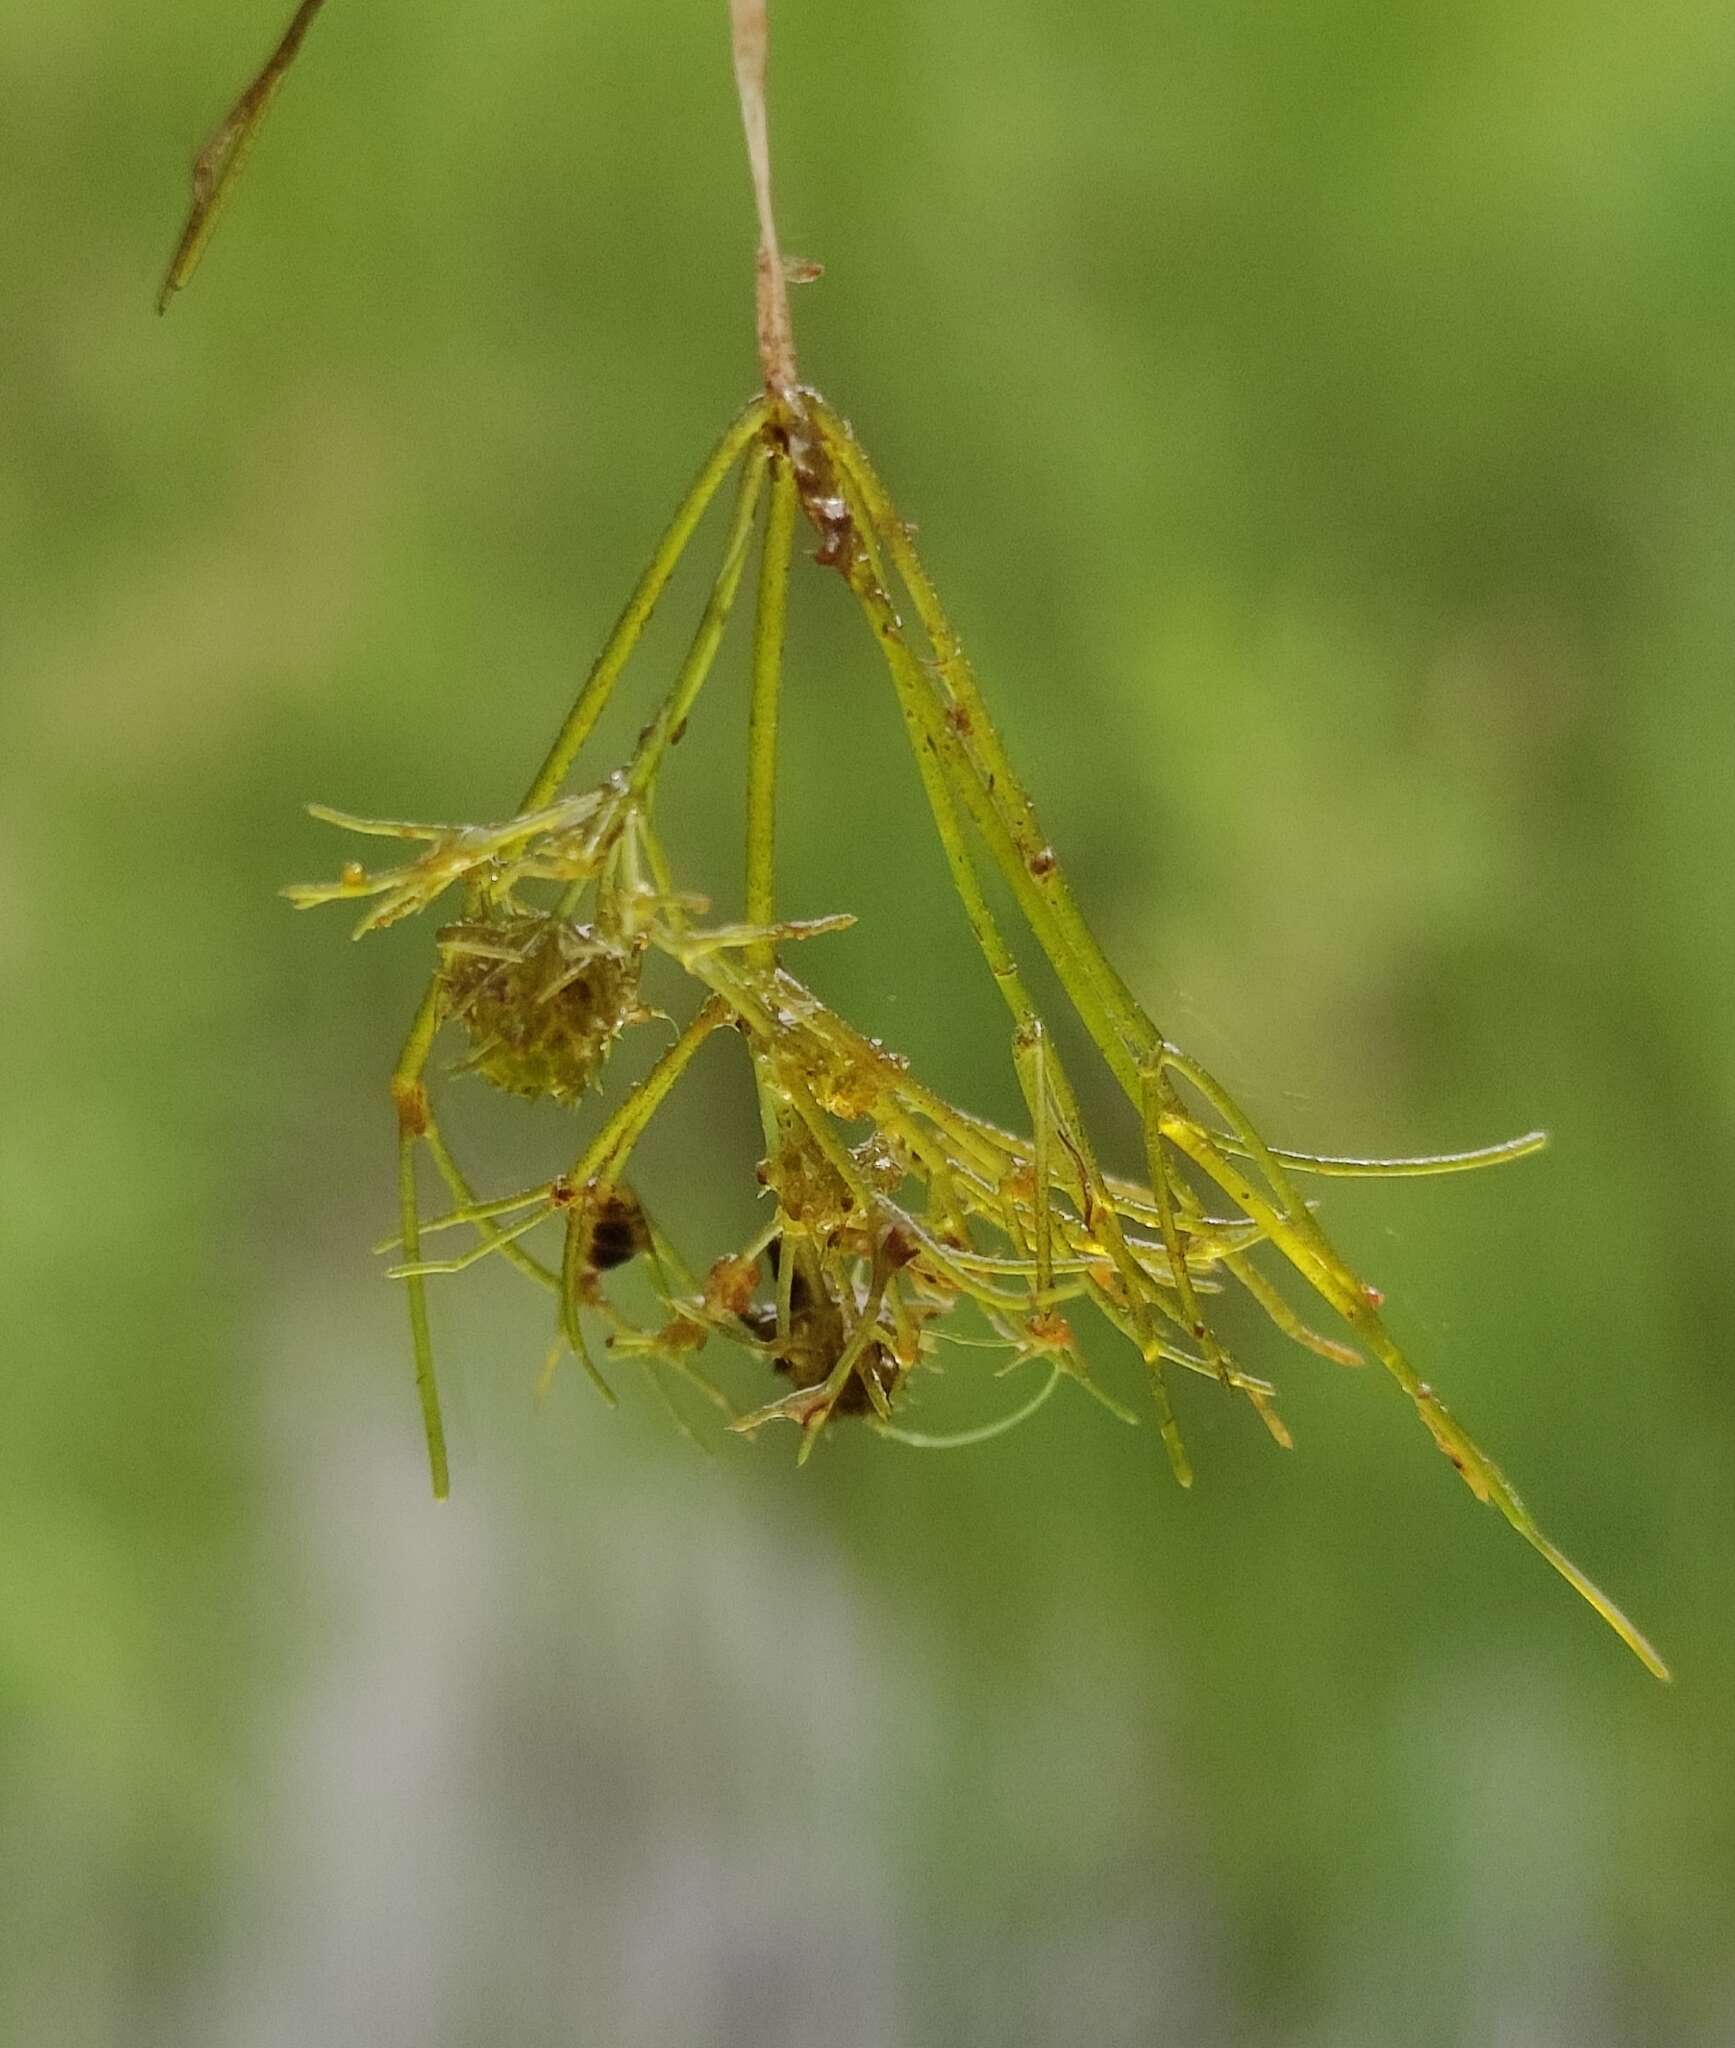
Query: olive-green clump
(543, 1001)
(807, 1185)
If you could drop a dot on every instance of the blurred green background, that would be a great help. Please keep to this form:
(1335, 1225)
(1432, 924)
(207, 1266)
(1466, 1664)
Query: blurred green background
(1320, 420)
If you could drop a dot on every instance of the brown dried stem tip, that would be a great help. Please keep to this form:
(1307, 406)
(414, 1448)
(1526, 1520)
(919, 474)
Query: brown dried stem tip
(219, 163)
(776, 334)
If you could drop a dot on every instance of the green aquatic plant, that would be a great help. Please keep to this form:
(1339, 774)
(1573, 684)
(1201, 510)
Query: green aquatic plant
(896, 1224)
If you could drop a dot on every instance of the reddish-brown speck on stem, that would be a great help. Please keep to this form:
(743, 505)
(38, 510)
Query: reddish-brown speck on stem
(410, 1099)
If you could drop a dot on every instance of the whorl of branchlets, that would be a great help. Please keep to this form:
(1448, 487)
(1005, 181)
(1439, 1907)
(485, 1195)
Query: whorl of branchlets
(542, 999)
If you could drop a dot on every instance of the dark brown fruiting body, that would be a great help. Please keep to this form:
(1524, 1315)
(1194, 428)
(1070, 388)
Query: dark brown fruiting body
(817, 1336)
(618, 1229)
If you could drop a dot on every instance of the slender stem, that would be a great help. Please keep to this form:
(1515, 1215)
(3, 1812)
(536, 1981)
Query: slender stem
(767, 690)
(1297, 1214)
(606, 671)
(1163, 1192)
(603, 1159)
(1273, 1305)
(1429, 1164)
(481, 1215)
(776, 332)
(608, 1151)
(991, 792)
(1034, 1074)
(420, 1336)
(963, 1438)
(571, 1290)
(671, 720)
(930, 739)
(410, 1101)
